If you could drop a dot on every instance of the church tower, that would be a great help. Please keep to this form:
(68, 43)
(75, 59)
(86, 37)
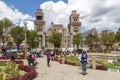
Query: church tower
(73, 26)
(74, 23)
(39, 26)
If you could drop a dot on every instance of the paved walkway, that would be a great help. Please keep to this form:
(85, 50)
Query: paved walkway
(66, 72)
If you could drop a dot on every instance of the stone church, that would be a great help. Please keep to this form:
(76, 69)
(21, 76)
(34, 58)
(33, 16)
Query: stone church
(67, 34)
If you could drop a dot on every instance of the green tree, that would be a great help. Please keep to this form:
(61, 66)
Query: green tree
(77, 39)
(56, 39)
(92, 41)
(112, 39)
(117, 36)
(32, 39)
(9, 45)
(17, 33)
(4, 28)
(1, 30)
(107, 38)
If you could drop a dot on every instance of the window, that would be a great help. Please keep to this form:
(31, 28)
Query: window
(75, 18)
(65, 37)
(65, 41)
(76, 29)
(38, 17)
(68, 37)
(40, 36)
(68, 45)
(54, 30)
(68, 40)
(39, 28)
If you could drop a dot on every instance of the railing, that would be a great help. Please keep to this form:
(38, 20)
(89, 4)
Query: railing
(105, 56)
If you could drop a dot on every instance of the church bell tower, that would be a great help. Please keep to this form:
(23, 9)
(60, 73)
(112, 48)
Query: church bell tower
(39, 26)
(73, 26)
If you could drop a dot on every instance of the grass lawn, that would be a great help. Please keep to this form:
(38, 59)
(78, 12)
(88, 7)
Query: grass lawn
(98, 61)
(72, 58)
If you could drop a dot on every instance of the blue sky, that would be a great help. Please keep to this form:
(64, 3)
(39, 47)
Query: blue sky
(99, 14)
(28, 6)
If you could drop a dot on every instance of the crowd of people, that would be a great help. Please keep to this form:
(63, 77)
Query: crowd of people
(51, 54)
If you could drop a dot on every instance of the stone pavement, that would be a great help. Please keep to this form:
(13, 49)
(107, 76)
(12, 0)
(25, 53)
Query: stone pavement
(66, 72)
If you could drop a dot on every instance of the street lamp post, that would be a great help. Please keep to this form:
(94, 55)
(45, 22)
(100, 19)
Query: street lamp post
(25, 27)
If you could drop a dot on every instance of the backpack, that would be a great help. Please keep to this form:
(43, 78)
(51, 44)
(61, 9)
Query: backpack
(33, 56)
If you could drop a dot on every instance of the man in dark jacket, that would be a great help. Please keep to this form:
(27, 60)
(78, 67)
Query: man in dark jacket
(83, 59)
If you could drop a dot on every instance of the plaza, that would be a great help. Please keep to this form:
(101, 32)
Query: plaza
(59, 71)
(29, 30)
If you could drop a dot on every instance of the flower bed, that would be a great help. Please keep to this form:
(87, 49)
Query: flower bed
(30, 75)
(4, 57)
(8, 57)
(77, 63)
(101, 67)
(71, 63)
(16, 61)
(3, 63)
(9, 69)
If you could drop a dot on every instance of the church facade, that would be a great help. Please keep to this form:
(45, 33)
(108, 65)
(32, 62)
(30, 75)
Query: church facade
(67, 34)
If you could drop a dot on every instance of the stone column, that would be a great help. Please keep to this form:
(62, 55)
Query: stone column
(93, 63)
(71, 40)
(43, 40)
(40, 41)
(39, 44)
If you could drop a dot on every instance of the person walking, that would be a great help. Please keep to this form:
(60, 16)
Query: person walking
(83, 57)
(29, 58)
(48, 55)
(32, 59)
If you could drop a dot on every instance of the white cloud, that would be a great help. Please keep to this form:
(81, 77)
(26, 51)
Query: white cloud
(55, 12)
(15, 15)
(96, 13)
